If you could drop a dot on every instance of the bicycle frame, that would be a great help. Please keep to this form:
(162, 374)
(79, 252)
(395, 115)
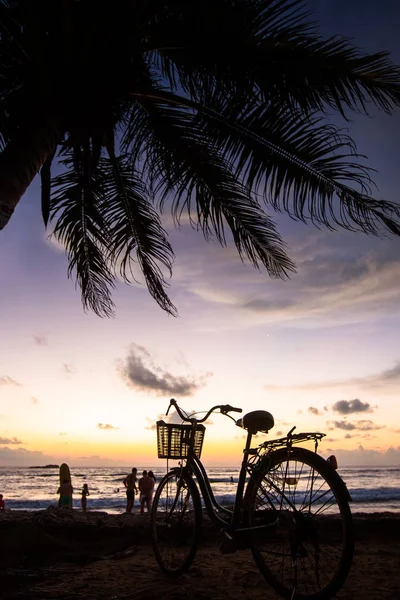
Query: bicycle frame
(235, 521)
(194, 464)
(276, 515)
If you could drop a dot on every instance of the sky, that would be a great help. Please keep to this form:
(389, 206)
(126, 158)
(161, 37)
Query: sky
(320, 351)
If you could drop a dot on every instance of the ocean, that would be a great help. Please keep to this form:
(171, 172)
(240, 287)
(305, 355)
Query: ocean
(373, 489)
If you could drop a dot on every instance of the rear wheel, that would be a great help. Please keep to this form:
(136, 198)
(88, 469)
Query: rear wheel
(309, 552)
(176, 522)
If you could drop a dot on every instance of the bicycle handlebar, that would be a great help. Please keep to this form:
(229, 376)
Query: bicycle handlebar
(224, 409)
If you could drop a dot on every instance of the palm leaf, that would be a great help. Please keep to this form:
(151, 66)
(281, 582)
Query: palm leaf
(181, 161)
(270, 48)
(81, 229)
(135, 227)
(298, 161)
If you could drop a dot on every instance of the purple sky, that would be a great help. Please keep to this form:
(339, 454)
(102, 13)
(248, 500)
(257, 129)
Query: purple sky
(73, 386)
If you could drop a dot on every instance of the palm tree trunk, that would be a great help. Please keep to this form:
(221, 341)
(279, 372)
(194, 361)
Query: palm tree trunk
(22, 158)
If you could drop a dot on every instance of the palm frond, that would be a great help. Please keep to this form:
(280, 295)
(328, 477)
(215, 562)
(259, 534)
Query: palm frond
(135, 227)
(268, 48)
(219, 104)
(45, 175)
(296, 159)
(182, 161)
(81, 229)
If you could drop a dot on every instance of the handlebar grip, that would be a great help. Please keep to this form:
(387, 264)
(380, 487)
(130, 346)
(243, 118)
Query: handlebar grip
(228, 408)
(172, 402)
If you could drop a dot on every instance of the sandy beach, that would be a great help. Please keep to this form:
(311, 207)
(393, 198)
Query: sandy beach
(61, 554)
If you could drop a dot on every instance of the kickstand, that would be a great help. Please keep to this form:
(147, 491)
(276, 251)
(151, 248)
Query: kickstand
(293, 596)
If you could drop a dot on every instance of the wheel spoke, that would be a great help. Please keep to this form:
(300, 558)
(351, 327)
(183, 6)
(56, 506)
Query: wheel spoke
(175, 524)
(310, 550)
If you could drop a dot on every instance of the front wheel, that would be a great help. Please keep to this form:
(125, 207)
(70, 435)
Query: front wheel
(176, 522)
(304, 543)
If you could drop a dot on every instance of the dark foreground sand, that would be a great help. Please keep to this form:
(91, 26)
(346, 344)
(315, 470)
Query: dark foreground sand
(61, 555)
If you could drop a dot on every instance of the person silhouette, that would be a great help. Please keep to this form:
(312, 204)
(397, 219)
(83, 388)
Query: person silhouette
(130, 485)
(84, 494)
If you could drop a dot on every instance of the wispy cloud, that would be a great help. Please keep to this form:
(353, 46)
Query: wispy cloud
(382, 378)
(20, 457)
(336, 280)
(363, 425)
(364, 456)
(314, 411)
(7, 380)
(173, 417)
(10, 441)
(63, 433)
(139, 371)
(68, 368)
(106, 426)
(40, 340)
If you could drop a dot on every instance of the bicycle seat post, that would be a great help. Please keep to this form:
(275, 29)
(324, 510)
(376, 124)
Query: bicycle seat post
(242, 480)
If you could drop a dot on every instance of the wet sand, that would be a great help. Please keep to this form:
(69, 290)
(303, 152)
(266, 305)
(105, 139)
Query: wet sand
(59, 554)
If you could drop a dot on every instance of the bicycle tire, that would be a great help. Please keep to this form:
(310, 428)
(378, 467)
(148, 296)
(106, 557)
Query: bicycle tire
(176, 517)
(306, 555)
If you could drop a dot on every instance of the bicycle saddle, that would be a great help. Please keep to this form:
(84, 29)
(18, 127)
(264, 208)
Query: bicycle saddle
(257, 420)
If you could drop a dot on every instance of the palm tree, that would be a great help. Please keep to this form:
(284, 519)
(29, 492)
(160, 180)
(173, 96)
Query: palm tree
(211, 108)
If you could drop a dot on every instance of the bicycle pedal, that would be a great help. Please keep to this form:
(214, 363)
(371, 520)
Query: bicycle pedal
(228, 547)
(228, 544)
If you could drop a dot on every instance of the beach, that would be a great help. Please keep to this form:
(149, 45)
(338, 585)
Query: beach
(60, 554)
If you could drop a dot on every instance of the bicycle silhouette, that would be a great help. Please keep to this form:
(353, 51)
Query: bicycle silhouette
(293, 513)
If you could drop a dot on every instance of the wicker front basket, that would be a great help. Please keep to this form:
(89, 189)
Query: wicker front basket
(173, 440)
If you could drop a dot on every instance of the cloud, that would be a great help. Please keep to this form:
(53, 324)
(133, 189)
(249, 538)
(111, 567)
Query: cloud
(68, 368)
(173, 417)
(7, 380)
(10, 441)
(335, 276)
(140, 372)
(376, 380)
(371, 457)
(363, 425)
(337, 280)
(106, 426)
(40, 340)
(346, 407)
(95, 460)
(63, 433)
(34, 400)
(314, 411)
(151, 425)
(20, 457)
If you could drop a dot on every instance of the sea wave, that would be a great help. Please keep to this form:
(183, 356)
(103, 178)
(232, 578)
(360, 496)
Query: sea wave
(29, 489)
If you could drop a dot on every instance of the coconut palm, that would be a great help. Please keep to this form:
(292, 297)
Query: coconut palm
(208, 108)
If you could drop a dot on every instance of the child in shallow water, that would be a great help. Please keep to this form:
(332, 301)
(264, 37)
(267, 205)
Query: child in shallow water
(84, 494)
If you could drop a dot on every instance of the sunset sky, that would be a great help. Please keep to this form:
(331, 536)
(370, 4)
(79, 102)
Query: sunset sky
(320, 351)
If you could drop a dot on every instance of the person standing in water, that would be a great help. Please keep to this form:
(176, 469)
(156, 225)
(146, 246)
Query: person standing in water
(84, 494)
(65, 491)
(146, 487)
(130, 485)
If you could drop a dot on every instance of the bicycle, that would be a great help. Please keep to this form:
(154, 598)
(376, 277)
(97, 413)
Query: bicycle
(293, 513)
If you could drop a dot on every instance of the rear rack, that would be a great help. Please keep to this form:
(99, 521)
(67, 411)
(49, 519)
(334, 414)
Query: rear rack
(289, 440)
(257, 454)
